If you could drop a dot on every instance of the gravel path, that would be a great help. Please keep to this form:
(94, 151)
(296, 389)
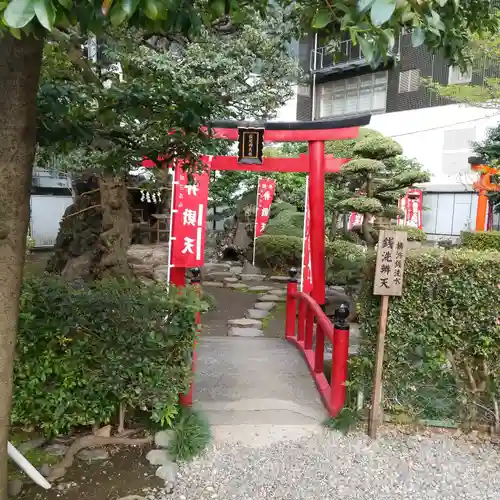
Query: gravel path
(332, 466)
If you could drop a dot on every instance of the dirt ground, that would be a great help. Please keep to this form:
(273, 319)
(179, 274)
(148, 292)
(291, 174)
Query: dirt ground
(125, 473)
(233, 304)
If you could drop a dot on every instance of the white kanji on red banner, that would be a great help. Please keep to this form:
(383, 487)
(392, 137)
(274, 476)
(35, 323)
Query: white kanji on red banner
(189, 219)
(265, 195)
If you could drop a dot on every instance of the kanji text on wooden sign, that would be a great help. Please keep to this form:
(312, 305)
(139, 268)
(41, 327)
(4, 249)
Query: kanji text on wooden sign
(250, 145)
(391, 255)
(189, 219)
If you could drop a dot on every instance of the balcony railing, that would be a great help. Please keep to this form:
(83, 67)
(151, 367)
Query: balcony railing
(347, 56)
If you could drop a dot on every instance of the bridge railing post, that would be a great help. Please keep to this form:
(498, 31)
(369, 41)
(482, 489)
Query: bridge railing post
(291, 304)
(187, 398)
(340, 358)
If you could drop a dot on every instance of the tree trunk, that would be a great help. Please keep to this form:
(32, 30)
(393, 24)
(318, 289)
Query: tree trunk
(333, 227)
(20, 62)
(116, 233)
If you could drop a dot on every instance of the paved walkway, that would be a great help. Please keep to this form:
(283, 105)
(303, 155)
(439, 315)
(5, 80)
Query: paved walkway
(256, 390)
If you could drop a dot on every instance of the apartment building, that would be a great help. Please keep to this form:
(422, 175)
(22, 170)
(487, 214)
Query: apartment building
(430, 128)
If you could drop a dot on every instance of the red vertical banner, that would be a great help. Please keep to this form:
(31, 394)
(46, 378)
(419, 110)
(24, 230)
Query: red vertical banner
(306, 270)
(265, 195)
(189, 219)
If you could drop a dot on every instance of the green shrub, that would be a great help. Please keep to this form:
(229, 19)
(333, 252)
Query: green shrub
(280, 206)
(288, 223)
(191, 435)
(442, 358)
(278, 252)
(487, 240)
(414, 234)
(82, 351)
(344, 262)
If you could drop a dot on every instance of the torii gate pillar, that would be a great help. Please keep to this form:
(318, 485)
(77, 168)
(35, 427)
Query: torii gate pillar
(317, 218)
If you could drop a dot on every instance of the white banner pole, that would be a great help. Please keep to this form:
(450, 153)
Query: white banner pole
(306, 212)
(255, 225)
(172, 194)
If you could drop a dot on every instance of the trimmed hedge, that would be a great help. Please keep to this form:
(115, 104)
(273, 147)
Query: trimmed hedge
(414, 234)
(288, 223)
(487, 240)
(442, 358)
(280, 206)
(83, 351)
(343, 260)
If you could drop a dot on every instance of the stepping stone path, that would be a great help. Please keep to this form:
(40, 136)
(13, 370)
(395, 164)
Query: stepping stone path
(252, 277)
(257, 313)
(260, 288)
(237, 286)
(167, 469)
(231, 280)
(245, 323)
(271, 298)
(236, 331)
(265, 306)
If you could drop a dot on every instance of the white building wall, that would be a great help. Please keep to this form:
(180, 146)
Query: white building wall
(46, 213)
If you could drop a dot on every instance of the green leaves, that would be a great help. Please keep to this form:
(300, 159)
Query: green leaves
(45, 13)
(381, 11)
(19, 13)
(151, 9)
(129, 6)
(322, 18)
(364, 5)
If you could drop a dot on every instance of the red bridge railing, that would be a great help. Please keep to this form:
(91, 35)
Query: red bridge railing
(307, 327)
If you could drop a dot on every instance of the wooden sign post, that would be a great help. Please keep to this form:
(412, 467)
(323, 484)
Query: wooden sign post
(391, 255)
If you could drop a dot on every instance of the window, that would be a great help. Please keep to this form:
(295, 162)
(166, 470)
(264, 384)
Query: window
(304, 90)
(353, 96)
(409, 81)
(455, 76)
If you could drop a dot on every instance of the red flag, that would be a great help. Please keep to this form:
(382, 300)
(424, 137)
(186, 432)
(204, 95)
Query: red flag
(265, 195)
(306, 282)
(189, 219)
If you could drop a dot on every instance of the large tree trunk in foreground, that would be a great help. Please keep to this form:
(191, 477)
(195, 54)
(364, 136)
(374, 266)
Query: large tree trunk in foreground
(95, 232)
(20, 62)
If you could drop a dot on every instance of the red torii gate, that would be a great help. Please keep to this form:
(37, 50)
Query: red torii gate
(315, 133)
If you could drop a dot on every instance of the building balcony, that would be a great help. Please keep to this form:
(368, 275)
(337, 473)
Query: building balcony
(348, 57)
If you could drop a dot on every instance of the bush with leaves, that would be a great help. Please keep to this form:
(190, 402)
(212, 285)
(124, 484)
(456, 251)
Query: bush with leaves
(278, 252)
(85, 351)
(413, 233)
(286, 222)
(486, 240)
(344, 262)
(442, 359)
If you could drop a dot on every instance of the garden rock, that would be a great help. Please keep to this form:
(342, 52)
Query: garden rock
(160, 273)
(219, 275)
(158, 457)
(93, 454)
(280, 279)
(32, 444)
(257, 313)
(236, 331)
(259, 288)
(56, 449)
(214, 284)
(163, 438)
(231, 280)
(216, 266)
(132, 497)
(265, 306)
(271, 298)
(44, 470)
(14, 487)
(237, 286)
(249, 268)
(252, 277)
(168, 472)
(278, 291)
(236, 269)
(245, 323)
